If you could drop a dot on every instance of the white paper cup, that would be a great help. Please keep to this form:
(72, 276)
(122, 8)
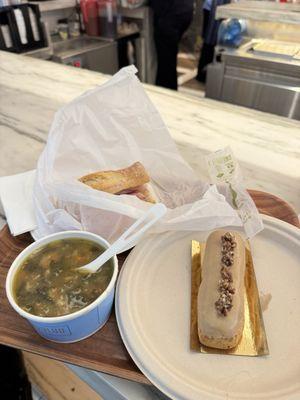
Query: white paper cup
(80, 324)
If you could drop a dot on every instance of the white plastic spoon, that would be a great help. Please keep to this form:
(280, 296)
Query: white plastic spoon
(155, 213)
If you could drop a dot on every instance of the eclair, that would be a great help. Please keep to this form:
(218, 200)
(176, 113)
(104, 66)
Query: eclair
(221, 293)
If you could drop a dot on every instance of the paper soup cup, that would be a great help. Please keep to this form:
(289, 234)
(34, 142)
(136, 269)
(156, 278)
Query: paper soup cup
(80, 324)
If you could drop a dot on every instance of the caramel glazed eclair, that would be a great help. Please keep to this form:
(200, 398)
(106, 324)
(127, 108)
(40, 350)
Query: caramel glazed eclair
(221, 292)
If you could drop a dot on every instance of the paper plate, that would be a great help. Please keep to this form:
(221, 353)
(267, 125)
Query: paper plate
(153, 315)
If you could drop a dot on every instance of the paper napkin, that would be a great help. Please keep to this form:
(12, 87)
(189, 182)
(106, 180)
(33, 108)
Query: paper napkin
(16, 197)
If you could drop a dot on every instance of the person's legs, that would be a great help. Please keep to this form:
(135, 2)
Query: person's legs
(207, 51)
(167, 34)
(205, 22)
(166, 42)
(206, 57)
(183, 22)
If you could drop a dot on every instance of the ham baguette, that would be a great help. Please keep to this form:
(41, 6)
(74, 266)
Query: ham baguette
(131, 180)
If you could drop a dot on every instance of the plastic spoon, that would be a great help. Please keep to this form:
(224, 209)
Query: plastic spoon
(152, 215)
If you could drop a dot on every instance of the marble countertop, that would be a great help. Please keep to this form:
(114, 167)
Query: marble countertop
(267, 146)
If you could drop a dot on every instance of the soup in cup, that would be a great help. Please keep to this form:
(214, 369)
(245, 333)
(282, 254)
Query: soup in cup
(62, 303)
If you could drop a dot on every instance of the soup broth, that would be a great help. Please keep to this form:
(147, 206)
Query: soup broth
(48, 283)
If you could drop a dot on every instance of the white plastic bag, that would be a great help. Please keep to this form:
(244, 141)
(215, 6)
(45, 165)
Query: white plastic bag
(111, 127)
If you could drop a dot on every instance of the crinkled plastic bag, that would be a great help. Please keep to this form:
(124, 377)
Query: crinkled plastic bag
(111, 127)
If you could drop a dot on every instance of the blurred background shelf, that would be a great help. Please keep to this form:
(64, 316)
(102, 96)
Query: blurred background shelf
(261, 11)
(53, 5)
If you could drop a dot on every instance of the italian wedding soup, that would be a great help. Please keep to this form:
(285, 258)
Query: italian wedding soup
(48, 283)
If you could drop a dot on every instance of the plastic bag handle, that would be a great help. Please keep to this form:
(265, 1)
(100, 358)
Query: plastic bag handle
(155, 213)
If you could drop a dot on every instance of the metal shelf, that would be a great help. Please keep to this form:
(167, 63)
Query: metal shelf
(53, 5)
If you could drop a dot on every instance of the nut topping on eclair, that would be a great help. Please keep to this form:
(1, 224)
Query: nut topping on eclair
(224, 303)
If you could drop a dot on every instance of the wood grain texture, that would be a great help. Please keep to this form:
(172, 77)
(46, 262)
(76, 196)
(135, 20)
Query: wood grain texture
(55, 380)
(269, 204)
(104, 351)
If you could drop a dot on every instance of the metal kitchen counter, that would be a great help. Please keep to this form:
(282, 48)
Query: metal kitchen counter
(264, 82)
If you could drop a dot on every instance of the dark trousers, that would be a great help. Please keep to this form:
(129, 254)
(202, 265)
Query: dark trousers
(168, 30)
(207, 51)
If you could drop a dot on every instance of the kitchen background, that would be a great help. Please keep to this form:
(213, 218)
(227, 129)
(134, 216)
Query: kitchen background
(256, 59)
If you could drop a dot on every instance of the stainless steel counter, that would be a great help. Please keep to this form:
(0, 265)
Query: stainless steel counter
(265, 82)
(145, 55)
(264, 72)
(87, 52)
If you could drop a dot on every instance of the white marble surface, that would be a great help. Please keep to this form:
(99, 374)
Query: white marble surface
(267, 146)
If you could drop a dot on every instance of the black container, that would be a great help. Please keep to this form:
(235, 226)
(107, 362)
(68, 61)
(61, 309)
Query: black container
(42, 42)
(6, 18)
(7, 14)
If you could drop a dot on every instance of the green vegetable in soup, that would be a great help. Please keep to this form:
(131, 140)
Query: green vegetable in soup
(48, 283)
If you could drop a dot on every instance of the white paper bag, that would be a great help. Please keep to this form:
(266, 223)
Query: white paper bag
(111, 127)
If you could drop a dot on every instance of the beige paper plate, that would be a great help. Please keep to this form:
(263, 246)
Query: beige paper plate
(153, 314)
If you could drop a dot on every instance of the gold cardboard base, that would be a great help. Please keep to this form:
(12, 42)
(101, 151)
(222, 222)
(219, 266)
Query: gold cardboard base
(254, 340)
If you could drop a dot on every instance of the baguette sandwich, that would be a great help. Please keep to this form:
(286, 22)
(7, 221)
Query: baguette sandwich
(133, 180)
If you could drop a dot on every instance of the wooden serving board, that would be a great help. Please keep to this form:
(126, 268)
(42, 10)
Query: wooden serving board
(104, 351)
